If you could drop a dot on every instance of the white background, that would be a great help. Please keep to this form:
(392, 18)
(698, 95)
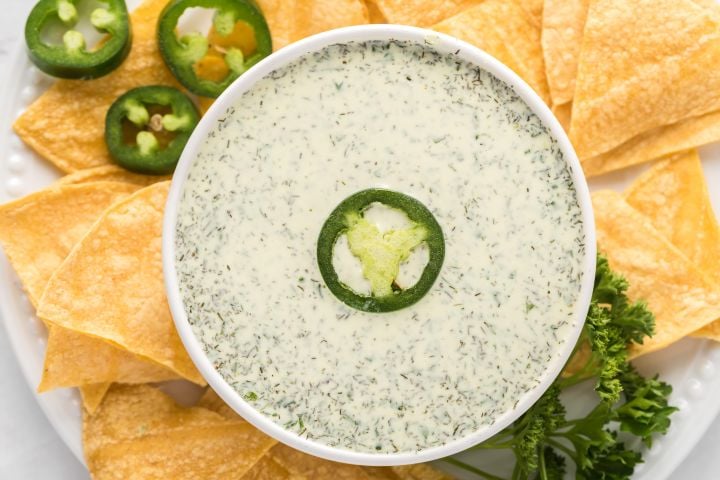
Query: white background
(29, 447)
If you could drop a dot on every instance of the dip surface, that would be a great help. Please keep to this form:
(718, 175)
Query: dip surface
(400, 116)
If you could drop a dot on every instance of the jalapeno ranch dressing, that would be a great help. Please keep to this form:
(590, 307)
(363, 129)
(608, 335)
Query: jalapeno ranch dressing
(496, 194)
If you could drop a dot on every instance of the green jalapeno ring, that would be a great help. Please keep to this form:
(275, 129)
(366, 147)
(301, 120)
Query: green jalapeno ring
(147, 156)
(337, 224)
(72, 59)
(180, 55)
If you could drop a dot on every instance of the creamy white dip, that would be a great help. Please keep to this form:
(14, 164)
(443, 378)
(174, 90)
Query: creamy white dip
(400, 116)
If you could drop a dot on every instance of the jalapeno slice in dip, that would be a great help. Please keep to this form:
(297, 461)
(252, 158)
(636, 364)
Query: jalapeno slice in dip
(69, 56)
(147, 128)
(380, 253)
(238, 39)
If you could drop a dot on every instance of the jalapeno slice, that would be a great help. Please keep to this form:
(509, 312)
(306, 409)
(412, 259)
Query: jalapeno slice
(380, 253)
(239, 38)
(147, 128)
(71, 58)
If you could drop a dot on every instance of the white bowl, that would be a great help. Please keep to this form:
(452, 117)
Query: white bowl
(442, 43)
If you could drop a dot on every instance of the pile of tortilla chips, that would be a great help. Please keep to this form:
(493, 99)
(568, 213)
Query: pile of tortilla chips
(630, 80)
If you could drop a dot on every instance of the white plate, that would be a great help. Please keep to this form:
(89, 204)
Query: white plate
(691, 366)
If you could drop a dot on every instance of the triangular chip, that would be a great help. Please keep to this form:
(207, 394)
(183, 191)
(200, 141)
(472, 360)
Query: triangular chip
(111, 285)
(92, 395)
(643, 64)
(38, 231)
(139, 432)
(66, 125)
(677, 293)
(110, 173)
(504, 30)
(422, 13)
(660, 142)
(75, 359)
(292, 20)
(674, 196)
(563, 22)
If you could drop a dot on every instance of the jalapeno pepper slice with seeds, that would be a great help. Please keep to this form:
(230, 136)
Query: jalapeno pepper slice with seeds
(380, 253)
(57, 48)
(147, 128)
(239, 38)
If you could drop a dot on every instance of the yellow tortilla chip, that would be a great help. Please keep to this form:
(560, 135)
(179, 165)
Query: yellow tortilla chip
(66, 124)
(674, 196)
(504, 30)
(374, 13)
(643, 64)
(111, 285)
(74, 359)
(563, 22)
(292, 20)
(419, 471)
(679, 295)
(139, 432)
(38, 231)
(111, 173)
(659, 142)
(421, 13)
(534, 8)
(562, 113)
(92, 395)
(268, 469)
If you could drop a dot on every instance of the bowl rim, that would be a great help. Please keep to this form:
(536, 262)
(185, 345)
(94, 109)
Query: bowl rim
(442, 43)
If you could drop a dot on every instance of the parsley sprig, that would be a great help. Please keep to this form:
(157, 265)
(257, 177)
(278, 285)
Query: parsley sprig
(544, 440)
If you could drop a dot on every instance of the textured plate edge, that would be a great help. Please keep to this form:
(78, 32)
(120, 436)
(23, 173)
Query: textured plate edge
(48, 402)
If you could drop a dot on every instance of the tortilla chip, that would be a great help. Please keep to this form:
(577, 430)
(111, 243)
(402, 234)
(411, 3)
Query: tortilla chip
(74, 359)
(534, 9)
(92, 395)
(563, 114)
(111, 285)
(563, 23)
(679, 295)
(419, 471)
(643, 64)
(38, 231)
(504, 30)
(268, 469)
(374, 13)
(66, 125)
(292, 20)
(674, 196)
(421, 13)
(660, 142)
(140, 433)
(111, 173)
